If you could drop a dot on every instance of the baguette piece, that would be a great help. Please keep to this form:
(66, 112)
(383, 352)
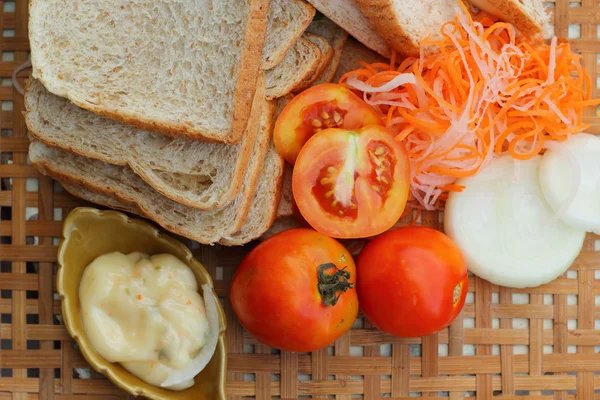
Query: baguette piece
(528, 16)
(348, 15)
(354, 52)
(336, 37)
(300, 62)
(184, 68)
(264, 205)
(404, 23)
(288, 19)
(197, 174)
(326, 57)
(121, 183)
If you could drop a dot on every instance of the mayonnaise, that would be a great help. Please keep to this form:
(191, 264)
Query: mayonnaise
(144, 313)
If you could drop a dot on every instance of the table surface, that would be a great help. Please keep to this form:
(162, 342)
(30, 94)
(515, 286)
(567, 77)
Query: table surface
(540, 343)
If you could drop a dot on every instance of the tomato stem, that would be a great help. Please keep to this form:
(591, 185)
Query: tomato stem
(331, 283)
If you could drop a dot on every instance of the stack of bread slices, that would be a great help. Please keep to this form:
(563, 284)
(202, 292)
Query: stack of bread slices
(166, 108)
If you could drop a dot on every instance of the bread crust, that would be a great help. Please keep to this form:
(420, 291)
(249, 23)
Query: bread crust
(383, 19)
(269, 220)
(276, 58)
(336, 39)
(248, 69)
(83, 193)
(309, 69)
(324, 61)
(511, 12)
(259, 106)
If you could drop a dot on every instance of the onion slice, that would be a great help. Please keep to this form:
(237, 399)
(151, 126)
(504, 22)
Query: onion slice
(204, 356)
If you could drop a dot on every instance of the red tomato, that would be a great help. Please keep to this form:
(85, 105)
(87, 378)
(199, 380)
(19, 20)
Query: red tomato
(328, 105)
(352, 184)
(411, 281)
(276, 291)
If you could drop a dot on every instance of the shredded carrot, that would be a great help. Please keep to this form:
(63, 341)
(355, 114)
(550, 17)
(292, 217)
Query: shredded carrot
(487, 92)
(416, 218)
(139, 297)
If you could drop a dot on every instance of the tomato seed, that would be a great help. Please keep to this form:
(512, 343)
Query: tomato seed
(379, 151)
(324, 115)
(324, 181)
(316, 123)
(331, 170)
(337, 117)
(375, 188)
(384, 180)
(329, 194)
(376, 160)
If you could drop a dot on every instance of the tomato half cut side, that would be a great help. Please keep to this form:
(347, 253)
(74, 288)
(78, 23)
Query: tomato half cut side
(352, 184)
(320, 107)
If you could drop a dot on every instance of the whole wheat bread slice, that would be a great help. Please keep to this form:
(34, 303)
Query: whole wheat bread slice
(264, 205)
(185, 68)
(300, 62)
(336, 37)
(348, 15)
(404, 23)
(197, 174)
(285, 208)
(324, 60)
(354, 52)
(528, 16)
(121, 183)
(83, 193)
(288, 19)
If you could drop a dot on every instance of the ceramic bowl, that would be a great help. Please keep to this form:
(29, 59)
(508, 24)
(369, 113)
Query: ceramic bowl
(89, 233)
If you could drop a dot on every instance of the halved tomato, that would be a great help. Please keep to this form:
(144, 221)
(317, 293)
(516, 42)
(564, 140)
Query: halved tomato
(328, 105)
(352, 184)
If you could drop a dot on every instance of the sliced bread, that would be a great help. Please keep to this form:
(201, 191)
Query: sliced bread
(197, 174)
(299, 63)
(288, 19)
(264, 205)
(404, 23)
(354, 52)
(184, 68)
(336, 37)
(258, 221)
(325, 59)
(348, 15)
(285, 205)
(102, 199)
(286, 208)
(529, 16)
(121, 183)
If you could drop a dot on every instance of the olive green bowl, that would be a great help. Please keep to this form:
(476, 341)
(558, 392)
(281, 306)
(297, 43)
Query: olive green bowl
(89, 233)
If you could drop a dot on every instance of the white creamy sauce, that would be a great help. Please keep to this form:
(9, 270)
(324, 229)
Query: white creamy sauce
(144, 313)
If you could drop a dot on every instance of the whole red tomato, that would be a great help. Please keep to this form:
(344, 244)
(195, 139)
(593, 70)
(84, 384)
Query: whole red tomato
(412, 281)
(295, 291)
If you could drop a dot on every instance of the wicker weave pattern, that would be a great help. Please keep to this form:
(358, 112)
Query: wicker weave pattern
(540, 344)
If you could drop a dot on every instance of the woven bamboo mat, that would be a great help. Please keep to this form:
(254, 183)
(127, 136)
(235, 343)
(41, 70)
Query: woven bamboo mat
(541, 343)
